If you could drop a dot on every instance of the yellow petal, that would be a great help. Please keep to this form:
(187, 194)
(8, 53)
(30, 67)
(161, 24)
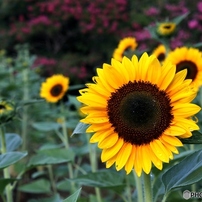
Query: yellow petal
(112, 151)
(130, 68)
(159, 150)
(97, 127)
(101, 135)
(123, 155)
(169, 146)
(111, 161)
(185, 109)
(131, 159)
(109, 141)
(172, 140)
(155, 160)
(138, 161)
(146, 161)
(175, 131)
(168, 73)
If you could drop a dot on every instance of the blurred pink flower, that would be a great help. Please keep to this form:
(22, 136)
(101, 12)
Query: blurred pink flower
(43, 61)
(192, 24)
(42, 19)
(152, 11)
(199, 6)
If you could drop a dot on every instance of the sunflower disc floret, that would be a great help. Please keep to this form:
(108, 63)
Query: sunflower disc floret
(137, 111)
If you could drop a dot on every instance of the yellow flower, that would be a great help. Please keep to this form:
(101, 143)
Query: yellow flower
(160, 52)
(137, 110)
(190, 59)
(124, 45)
(166, 28)
(54, 88)
(7, 111)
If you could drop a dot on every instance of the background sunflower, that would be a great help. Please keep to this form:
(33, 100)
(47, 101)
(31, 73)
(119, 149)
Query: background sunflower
(189, 59)
(54, 88)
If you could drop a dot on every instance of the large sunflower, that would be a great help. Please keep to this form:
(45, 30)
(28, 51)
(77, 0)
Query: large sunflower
(190, 59)
(137, 110)
(128, 43)
(160, 52)
(54, 88)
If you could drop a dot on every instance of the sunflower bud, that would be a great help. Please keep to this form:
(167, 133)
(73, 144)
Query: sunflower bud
(7, 111)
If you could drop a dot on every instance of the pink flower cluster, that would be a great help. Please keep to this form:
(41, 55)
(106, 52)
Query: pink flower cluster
(98, 16)
(44, 61)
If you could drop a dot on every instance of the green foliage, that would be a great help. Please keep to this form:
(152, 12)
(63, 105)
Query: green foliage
(10, 158)
(37, 186)
(73, 197)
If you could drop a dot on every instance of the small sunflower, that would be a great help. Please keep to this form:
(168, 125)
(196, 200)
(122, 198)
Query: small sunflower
(160, 52)
(128, 43)
(137, 110)
(190, 59)
(7, 111)
(166, 28)
(54, 88)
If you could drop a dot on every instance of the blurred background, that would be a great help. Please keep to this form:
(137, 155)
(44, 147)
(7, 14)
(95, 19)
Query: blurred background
(75, 37)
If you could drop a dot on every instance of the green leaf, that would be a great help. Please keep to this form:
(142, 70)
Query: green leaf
(196, 138)
(103, 179)
(64, 185)
(80, 128)
(55, 198)
(51, 156)
(13, 141)
(10, 158)
(178, 19)
(73, 197)
(4, 183)
(37, 187)
(46, 126)
(187, 172)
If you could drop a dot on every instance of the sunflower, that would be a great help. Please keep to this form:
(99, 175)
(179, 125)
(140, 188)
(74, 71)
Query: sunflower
(137, 110)
(128, 43)
(160, 52)
(54, 88)
(190, 59)
(166, 28)
(7, 111)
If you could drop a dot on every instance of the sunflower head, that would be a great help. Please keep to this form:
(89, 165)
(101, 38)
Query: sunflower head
(138, 107)
(7, 111)
(128, 43)
(54, 88)
(166, 28)
(160, 52)
(189, 59)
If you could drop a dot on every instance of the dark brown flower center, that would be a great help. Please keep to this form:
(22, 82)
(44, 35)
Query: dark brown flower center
(167, 26)
(161, 57)
(139, 112)
(2, 107)
(56, 90)
(191, 69)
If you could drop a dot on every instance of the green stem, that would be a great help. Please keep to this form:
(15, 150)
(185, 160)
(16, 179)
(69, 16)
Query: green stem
(128, 189)
(9, 195)
(138, 182)
(93, 162)
(193, 186)
(165, 197)
(66, 143)
(25, 114)
(50, 171)
(147, 188)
